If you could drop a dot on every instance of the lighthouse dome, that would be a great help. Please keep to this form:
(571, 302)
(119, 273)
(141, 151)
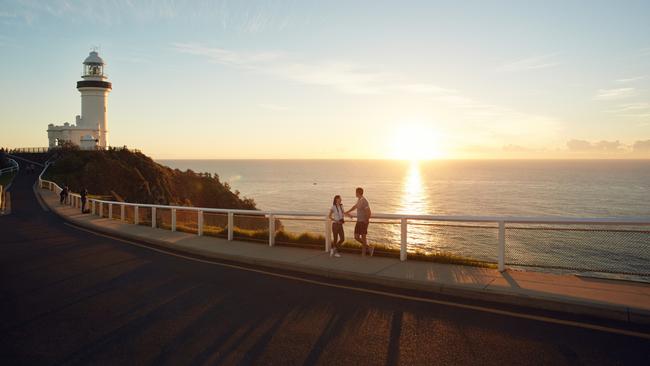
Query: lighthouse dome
(93, 59)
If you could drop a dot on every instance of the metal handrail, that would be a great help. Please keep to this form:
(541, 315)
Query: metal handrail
(13, 168)
(272, 215)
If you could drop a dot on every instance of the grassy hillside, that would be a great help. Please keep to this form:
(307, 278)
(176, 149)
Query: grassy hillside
(132, 176)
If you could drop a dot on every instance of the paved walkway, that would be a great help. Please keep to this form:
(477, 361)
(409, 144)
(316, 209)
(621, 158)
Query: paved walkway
(611, 299)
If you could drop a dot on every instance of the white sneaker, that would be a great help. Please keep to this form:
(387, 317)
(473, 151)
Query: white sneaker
(371, 251)
(337, 255)
(331, 252)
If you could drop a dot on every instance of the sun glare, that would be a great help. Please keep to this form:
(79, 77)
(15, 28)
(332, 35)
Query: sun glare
(416, 142)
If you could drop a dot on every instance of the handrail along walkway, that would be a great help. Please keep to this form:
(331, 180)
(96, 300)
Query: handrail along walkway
(96, 205)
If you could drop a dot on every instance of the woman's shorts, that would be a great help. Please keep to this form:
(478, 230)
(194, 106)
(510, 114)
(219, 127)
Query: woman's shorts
(361, 228)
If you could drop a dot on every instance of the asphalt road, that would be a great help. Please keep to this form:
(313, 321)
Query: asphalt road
(71, 297)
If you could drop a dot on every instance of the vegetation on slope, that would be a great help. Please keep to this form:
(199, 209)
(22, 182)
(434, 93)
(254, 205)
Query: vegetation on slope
(131, 176)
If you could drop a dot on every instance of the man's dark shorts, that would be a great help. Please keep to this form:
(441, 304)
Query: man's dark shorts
(361, 228)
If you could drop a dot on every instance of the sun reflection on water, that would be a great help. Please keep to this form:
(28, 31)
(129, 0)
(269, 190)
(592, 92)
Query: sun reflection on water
(414, 201)
(413, 198)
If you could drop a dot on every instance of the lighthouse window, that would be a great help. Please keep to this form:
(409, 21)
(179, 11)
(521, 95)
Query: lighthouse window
(93, 70)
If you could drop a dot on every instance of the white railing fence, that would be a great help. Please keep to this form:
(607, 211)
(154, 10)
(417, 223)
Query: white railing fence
(137, 211)
(10, 169)
(42, 150)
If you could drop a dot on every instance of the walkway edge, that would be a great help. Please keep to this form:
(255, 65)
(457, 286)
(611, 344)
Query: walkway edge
(584, 308)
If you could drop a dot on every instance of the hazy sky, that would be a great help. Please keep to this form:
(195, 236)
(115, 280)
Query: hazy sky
(330, 79)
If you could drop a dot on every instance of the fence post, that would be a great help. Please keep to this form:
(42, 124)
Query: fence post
(110, 211)
(173, 219)
(199, 224)
(101, 209)
(328, 234)
(122, 212)
(271, 230)
(153, 217)
(92, 207)
(501, 255)
(403, 239)
(231, 221)
(136, 215)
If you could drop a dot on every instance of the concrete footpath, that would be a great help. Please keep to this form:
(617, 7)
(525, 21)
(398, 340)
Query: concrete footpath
(608, 299)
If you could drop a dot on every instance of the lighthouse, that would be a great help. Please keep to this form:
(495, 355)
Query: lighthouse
(92, 124)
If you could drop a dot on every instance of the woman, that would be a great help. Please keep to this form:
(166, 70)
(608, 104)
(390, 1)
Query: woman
(337, 215)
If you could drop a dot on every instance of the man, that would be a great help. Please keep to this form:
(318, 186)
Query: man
(84, 196)
(63, 195)
(363, 218)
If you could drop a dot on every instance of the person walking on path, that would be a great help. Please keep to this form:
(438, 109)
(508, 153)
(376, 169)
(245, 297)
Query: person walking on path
(363, 219)
(63, 195)
(84, 195)
(337, 216)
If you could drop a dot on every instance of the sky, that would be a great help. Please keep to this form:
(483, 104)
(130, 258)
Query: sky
(337, 79)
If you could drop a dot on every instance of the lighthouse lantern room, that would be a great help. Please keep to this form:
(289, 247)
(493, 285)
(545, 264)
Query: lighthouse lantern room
(92, 124)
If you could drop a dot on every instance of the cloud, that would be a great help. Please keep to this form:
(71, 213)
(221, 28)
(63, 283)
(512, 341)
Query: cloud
(273, 107)
(616, 93)
(633, 107)
(224, 56)
(346, 77)
(641, 146)
(494, 122)
(511, 148)
(600, 146)
(631, 79)
(640, 109)
(530, 63)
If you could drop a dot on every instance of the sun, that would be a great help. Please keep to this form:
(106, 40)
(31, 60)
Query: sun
(415, 142)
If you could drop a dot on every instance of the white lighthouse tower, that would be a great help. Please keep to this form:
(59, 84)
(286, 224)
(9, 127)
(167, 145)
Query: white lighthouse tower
(92, 124)
(94, 91)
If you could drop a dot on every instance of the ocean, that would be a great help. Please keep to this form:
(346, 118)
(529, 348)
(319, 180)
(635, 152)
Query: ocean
(570, 188)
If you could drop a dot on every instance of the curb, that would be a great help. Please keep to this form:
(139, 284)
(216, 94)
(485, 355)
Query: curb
(576, 307)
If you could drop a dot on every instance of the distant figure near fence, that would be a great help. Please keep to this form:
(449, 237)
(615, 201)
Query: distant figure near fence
(64, 194)
(84, 195)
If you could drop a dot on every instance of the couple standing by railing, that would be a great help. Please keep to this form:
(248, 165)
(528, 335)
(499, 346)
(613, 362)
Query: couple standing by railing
(337, 215)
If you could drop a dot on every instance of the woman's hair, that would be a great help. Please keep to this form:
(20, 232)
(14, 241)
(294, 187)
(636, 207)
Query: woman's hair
(334, 200)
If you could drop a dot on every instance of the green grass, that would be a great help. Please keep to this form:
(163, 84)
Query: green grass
(317, 241)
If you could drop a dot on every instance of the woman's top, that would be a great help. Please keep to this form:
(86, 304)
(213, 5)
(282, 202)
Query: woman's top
(338, 213)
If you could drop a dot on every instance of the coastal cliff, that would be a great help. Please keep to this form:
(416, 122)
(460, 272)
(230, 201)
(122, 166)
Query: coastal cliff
(131, 176)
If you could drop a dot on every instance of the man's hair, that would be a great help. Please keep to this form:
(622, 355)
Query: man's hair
(360, 190)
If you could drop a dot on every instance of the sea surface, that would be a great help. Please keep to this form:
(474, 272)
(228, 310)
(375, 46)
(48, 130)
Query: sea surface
(569, 188)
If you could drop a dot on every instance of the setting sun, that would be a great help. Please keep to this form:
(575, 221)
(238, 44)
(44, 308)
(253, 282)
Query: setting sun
(416, 142)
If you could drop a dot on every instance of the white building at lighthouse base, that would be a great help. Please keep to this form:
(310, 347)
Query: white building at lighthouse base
(57, 135)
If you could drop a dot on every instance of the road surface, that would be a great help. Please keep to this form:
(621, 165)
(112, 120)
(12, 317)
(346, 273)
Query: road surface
(68, 296)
